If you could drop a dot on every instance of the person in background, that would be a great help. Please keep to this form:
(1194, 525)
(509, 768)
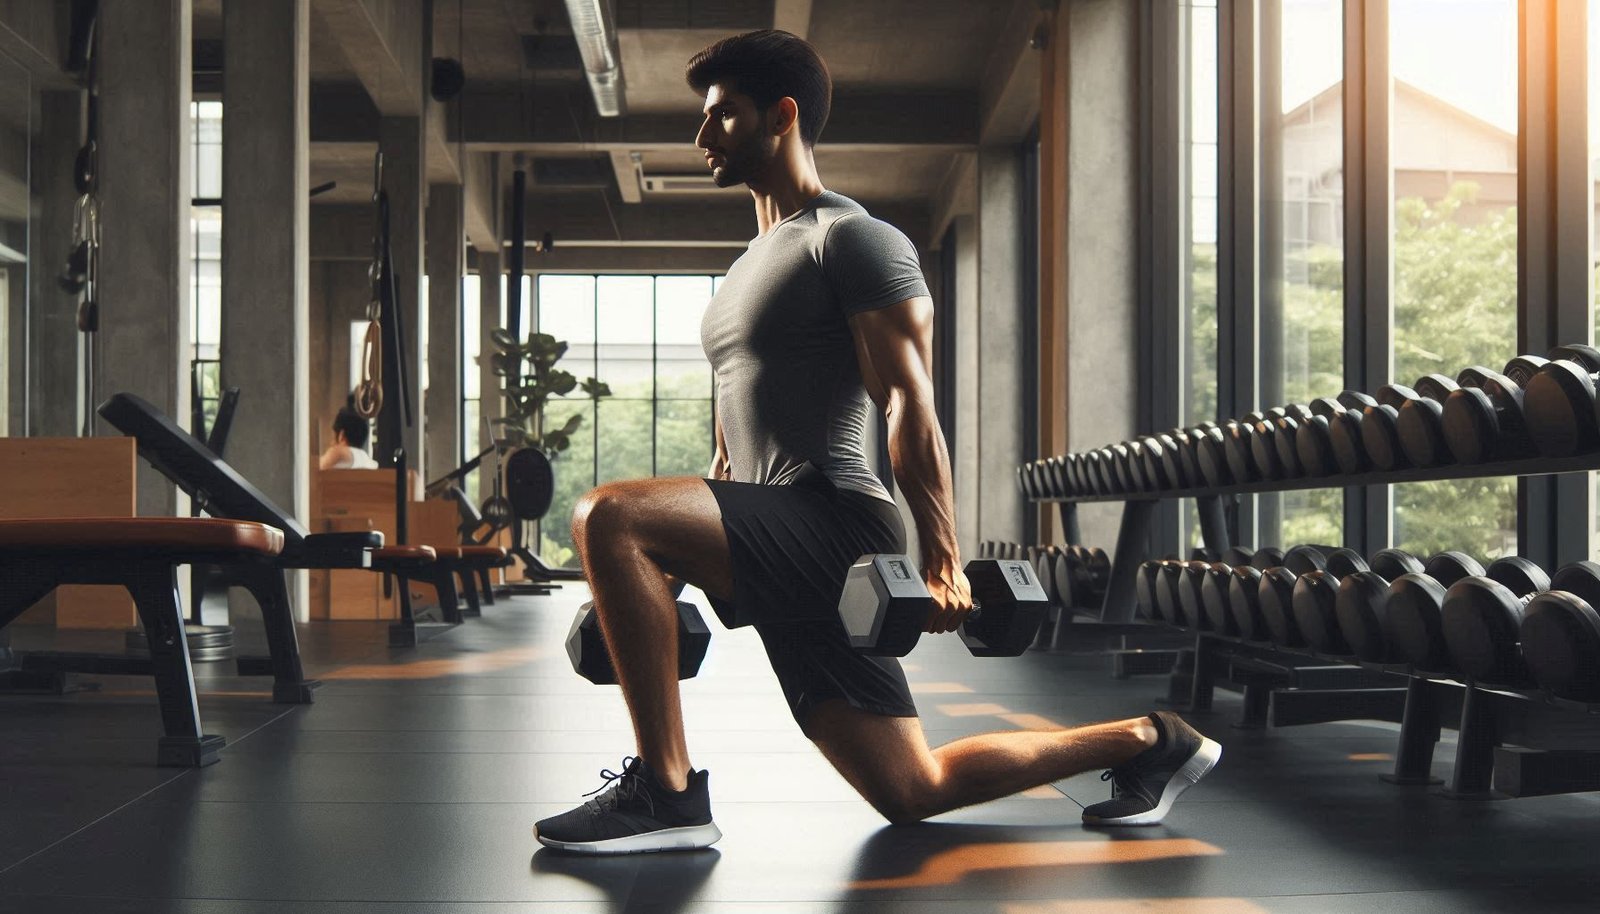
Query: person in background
(349, 448)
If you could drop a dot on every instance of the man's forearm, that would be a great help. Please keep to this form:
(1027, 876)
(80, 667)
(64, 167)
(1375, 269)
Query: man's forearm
(922, 470)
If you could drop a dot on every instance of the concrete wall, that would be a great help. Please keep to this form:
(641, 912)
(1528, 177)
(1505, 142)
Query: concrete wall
(1102, 197)
(1002, 377)
(339, 294)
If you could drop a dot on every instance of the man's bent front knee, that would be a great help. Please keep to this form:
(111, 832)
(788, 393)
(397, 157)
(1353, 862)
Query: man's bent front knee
(601, 513)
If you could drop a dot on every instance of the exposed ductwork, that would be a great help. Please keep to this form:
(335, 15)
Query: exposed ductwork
(596, 32)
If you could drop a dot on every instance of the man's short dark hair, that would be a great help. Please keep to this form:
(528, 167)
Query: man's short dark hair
(354, 427)
(767, 66)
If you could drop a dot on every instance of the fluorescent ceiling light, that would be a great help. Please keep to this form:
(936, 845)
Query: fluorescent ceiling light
(596, 35)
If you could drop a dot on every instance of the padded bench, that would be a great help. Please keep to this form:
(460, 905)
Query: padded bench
(220, 491)
(143, 555)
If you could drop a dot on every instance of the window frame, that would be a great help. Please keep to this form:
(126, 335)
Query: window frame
(1554, 302)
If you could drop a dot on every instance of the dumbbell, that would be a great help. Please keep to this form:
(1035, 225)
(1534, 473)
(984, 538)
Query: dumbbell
(1317, 593)
(1380, 427)
(1044, 567)
(1558, 403)
(1272, 442)
(885, 606)
(1482, 620)
(1418, 427)
(1242, 606)
(1313, 443)
(1347, 431)
(1156, 469)
(591, 659)
(1175, 447)
(1276, 594)
(1191, 579)
(1405, 627)
(1211, 455)
(1085, 574)
(1359, 606)
(1214, 594)
(1484, 420)
(1237, 445)
(1164, 605)
(1561, 634)
(1144, 589)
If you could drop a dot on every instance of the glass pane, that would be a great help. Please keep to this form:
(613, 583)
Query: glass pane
(1302, 321)
(573, 470)
(566, 308)
(680, 304)
(682, 372)
(1454, 157)
(683, 437)
(471, 339)
(469, 446)
(206, 290)
(626, 309)
(630, 376)
(625, 440)
(1200, 397)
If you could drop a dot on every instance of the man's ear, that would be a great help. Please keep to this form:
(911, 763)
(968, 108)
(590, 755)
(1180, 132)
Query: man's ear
(786, 116)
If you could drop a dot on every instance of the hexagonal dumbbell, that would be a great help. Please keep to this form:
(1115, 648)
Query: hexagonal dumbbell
(591, 659)
(885, 606)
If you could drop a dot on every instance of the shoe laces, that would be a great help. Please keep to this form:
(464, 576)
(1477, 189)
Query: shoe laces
(1124, 778)
(624, 785)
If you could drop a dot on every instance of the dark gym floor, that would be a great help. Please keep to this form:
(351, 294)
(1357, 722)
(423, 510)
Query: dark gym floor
(411, 784)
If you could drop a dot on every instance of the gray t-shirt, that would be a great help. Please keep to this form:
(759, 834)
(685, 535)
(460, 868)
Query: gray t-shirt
(789, 386)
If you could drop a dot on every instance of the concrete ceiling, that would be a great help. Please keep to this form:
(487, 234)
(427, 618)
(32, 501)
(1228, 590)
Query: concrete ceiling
(907, 77)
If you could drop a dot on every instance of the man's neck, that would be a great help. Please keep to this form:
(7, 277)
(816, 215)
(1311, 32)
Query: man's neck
(792, 183)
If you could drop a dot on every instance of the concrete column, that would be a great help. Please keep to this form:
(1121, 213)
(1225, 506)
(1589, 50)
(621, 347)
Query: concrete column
(1001, 441)
(404, 177)
(491, 306)
(266, 249)
(1100, 241)
(56, 356)
(144, 169)
(968, 313)
(446, 264)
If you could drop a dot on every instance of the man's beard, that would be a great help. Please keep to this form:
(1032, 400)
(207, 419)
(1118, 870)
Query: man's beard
(741, 163)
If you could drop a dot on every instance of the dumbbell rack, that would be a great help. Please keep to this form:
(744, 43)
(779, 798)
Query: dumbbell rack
(1284, 687)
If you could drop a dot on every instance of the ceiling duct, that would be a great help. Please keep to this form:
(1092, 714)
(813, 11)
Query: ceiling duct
(596, 34)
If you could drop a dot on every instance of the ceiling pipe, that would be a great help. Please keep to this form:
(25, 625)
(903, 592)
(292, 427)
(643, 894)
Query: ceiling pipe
(596, 34)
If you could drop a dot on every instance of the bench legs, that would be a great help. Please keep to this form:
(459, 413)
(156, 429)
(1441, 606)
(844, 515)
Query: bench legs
(155, 595)
(289, 684)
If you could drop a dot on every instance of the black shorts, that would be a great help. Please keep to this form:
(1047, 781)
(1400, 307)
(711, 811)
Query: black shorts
(790, 547)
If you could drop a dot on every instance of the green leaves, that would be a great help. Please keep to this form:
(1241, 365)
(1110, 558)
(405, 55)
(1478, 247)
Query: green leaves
(531, 379)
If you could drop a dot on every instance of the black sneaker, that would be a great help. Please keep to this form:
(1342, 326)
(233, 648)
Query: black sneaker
(1145, 787)
(634, 815)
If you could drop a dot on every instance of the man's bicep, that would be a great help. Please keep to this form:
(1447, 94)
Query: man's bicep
(894, 347)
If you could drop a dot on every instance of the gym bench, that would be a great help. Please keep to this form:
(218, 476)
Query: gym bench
(142, 555)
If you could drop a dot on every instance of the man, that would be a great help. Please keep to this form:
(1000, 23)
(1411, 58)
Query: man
(349, 448)
(825, 310)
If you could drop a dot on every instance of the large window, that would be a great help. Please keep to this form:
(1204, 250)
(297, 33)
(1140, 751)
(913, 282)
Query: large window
(1302, 258)
(641, 336)
(1454, 157)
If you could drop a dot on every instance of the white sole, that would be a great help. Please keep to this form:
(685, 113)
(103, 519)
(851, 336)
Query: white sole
(1198, 766)
(688, 838)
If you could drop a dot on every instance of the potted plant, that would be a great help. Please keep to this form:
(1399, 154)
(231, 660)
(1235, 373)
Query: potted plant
(531, 379)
